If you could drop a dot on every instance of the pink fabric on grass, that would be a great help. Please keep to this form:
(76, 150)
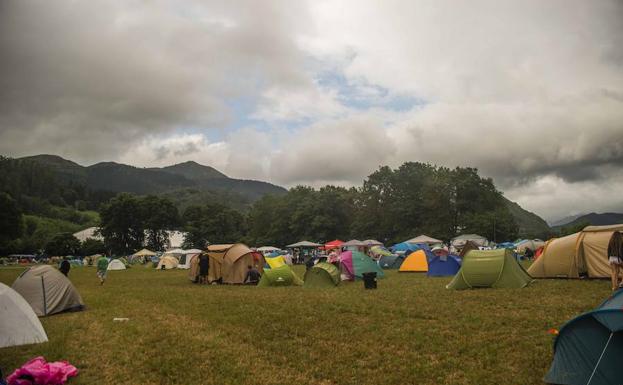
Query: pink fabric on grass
(39, 372)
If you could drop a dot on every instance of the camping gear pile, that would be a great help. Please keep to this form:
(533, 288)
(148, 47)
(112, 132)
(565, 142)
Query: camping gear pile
(39, 372)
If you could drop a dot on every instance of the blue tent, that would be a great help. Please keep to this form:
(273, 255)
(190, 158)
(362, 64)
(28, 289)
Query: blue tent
(441, 267)
(588, 349)
(506, 245)
(391, 261)
(274, 254)
(405, 247)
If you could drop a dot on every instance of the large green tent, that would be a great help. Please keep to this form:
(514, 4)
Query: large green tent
(490, 268)
(588, 349)
(280, 276)
(322, 275)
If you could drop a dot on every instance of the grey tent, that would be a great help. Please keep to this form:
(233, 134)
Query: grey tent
(19, 325)
(47, 291)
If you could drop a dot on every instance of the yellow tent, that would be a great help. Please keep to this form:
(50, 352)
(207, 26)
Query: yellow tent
(415, 262)
(576, 254)
(275, 262)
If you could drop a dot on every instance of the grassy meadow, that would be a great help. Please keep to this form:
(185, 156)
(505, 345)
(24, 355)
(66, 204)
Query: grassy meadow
(410, 330)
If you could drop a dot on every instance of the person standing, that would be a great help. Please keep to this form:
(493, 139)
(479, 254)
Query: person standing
(204, 268)
(615, 258)
(102, 269)
(253, 276)
(65, 266)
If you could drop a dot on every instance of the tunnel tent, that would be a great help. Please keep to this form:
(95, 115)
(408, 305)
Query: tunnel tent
(280, 276)
(19, 323)
(229, 262)
(388, 262)
(322, 275)
(588, 348)
(47, 291)
(490, 268)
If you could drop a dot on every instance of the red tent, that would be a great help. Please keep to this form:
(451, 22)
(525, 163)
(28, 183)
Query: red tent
(333, 244)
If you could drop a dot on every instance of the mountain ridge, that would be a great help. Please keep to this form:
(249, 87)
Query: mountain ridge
(594, 219)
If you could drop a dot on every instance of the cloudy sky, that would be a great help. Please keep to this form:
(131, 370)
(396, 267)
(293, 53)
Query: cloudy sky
(295, 92)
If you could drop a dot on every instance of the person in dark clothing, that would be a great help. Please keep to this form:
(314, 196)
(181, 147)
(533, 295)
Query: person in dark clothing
(204, 268)
(528, 254)
(65, 266)
(253, 276)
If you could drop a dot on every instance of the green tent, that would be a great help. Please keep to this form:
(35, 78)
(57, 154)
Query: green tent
(490, 268)
(280, 276)
(588, 349)
(322, 275)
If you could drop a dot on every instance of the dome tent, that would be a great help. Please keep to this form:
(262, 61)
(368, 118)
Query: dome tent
(355, 263)
(588, 349)
(322, 275)
(440, 266)
(47, 291)
(490, 268)
(168, 261)
(280, 276)
(116, 264)
(416, 261)
(19, 323)
(391, 261)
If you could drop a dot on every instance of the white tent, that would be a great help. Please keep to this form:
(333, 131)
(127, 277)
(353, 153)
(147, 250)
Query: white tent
(267, 249)
(184, 260)
(19, 323)
(116, 264)
(424, 239)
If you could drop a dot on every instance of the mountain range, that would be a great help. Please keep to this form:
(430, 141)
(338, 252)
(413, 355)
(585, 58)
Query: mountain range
(594, 219)
(116, 177)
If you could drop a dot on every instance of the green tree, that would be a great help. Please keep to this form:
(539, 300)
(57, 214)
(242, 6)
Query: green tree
(123, 224)
(160, 215)
(212, 223)
(63, 244)
(92, 246)
(11, 223)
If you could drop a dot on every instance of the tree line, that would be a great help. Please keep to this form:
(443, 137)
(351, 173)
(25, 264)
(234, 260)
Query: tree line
(392, 205)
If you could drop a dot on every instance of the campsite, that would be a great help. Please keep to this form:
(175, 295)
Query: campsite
(410, 330)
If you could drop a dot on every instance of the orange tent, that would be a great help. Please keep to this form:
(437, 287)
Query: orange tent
(415, 262)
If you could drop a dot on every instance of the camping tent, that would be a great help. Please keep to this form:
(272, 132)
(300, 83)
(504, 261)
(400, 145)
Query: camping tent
(380, 251)
(416, 261)
(184, 259)
(228, 263)
(372, 242)
(533, 244)
(490, 268)
(275, 261)
(115, 264)
(47, 291)
(280, 276)
(404, 247)
(168, 261)
(588, 349)
(322, 275)
(267, 249)
(144, 253)
(19, 323)
(578, 254)
(459, 241)
(467, 247)
(441, 266)
(355, 263)
(424, 239)
(391, 261)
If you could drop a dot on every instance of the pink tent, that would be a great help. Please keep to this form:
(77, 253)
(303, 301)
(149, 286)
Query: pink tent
(346, 262)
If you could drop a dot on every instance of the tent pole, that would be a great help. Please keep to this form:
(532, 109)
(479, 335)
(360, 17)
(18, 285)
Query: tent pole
(600, 357)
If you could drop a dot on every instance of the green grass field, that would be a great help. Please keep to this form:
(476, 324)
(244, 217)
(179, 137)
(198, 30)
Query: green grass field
(410, 330)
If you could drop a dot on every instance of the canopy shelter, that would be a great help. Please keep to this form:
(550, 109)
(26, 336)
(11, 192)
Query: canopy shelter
(424, 239)
(461, 240)
(47, 291)
(19, 323)
(322, 275)
(354, 263)
(442, 266)
(280, 276)
(116, 264)
(354, 243)
(335, 244)
(304, 244)
(229, 263)
(491, 268)
(588, 348)
(144, 253)
(372, 242)
(387, 262)
(416, 262)
(267, 249)
(580, 254)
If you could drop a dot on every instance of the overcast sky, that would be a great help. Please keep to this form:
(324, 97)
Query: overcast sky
(294, 92)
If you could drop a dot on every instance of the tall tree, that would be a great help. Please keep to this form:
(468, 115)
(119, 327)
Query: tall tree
(212, 223)
(11, 222)
(160, 215)
(63, 244)
(123, 224)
